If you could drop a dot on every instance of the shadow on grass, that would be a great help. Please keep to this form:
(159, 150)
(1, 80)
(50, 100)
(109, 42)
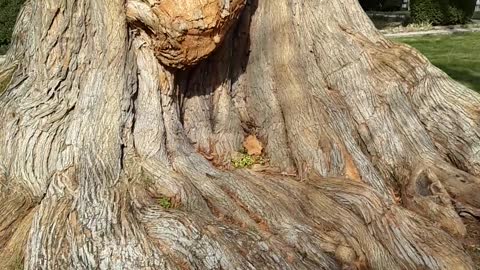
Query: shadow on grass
(463, 75)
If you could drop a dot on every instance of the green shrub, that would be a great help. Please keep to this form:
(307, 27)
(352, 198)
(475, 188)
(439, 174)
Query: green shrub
(8, 14)
(442, 12)
(476, 15)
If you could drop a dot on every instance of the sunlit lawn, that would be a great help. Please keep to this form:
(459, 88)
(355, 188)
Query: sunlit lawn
(458, 55)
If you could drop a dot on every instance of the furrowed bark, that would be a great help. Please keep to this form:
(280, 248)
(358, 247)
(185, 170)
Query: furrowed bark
(119, 121)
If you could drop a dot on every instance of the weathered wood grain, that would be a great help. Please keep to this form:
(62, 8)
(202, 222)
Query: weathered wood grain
(118, 122)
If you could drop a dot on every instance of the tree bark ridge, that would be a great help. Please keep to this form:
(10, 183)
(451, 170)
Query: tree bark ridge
(115, 145)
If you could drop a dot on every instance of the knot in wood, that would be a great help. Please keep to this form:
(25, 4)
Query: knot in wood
(184, 32)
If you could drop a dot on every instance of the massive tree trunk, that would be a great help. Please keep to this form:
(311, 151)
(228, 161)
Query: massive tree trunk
(119, 121)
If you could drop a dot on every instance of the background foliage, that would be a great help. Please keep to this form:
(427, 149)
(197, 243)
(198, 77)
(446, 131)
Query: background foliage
(381, 5)
(442, 12)
(8, 14)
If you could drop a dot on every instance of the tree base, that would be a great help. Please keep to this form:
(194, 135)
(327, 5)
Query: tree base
(118, 129)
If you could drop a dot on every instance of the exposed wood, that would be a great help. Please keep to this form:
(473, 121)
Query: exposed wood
(119, 121)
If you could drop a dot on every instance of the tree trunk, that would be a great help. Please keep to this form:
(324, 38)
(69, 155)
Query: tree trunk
(119, 121)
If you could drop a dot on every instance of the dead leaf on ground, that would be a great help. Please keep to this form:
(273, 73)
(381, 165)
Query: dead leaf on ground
(253, 145)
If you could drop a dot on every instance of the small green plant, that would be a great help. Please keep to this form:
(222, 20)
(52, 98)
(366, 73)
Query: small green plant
(165, 202)
(243, 161)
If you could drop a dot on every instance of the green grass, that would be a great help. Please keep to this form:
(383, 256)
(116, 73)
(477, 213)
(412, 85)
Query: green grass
(458, 55)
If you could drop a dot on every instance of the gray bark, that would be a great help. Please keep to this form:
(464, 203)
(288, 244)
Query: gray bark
(109, 108)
